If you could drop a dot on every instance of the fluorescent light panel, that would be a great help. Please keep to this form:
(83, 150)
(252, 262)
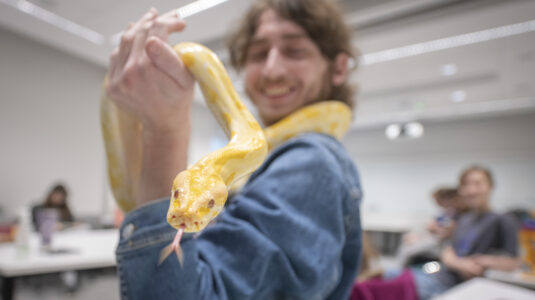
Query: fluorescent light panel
(183, 12)
(447, 43)
(55, 20)
(196, 7)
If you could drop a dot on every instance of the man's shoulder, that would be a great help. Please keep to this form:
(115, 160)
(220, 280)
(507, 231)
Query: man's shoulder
(312, 153)
(486, 222)
(312, 142)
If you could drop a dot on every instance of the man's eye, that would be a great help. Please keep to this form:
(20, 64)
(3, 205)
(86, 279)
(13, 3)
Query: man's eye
(295, 52)
(257, 55)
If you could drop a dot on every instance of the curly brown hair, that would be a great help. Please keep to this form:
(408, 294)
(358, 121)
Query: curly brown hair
(321, 20)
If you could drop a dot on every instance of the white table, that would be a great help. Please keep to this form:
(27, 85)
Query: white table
(487, 289)
(515, 277)
(386, 229)
(392, 222)
(85, 249)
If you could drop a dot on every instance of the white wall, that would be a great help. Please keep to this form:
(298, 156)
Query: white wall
(49, 125)
(399, 176)
(492, 75)
(50, 130)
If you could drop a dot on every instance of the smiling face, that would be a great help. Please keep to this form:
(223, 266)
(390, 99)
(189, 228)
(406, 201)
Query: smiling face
(284, 68)
(475, 189)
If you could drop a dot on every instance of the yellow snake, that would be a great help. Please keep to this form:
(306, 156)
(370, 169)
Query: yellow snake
(200, 192)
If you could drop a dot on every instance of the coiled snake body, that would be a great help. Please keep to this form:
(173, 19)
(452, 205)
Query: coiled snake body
(199, 193)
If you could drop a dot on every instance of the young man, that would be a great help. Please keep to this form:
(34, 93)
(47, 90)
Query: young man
(294, 229)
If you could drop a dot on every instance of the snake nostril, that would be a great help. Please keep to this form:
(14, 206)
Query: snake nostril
(211, 203)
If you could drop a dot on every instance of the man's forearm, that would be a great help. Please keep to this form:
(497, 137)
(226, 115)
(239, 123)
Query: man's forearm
(503, 263)
(164, 156)
(449, 258)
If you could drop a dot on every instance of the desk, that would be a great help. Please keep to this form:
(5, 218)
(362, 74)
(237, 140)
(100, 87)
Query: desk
(482, 288)
(88, 249)
(515, 277)
(393, 222)
(385, 230)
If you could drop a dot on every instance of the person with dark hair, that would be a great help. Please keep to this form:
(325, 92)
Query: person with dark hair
(57, 199)
(294, 229)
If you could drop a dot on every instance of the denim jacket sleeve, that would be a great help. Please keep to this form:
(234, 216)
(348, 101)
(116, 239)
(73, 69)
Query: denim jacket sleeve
(286, 235)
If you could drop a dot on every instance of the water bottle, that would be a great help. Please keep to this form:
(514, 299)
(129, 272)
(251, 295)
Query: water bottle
(22, 240)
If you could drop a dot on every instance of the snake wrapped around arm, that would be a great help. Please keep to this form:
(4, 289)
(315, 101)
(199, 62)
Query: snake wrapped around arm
(199, 193)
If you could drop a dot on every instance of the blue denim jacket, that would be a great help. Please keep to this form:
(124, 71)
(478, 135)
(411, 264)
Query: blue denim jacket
(293, 232)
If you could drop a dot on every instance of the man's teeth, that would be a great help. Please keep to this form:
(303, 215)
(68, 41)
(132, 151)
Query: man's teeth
(277, 91)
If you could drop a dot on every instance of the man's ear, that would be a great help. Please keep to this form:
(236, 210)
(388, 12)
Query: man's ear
(340, 69)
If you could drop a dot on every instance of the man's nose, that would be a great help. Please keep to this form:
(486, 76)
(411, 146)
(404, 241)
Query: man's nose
(274, 67)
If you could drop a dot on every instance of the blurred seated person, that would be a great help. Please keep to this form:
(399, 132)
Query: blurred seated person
(521, 215)
(419, 247)
(481, 240)
(452, 206)
(56, 199)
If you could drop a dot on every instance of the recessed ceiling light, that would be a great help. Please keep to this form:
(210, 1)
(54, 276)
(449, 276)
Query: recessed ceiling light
(414, 130)
(393, 131)
(458, 96)
(448, 70)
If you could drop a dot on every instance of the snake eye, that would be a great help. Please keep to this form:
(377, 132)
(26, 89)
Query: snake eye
(175, 194)
(211, 203)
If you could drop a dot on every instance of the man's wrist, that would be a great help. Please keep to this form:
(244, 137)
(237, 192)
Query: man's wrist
(163, 131)
(164, 156)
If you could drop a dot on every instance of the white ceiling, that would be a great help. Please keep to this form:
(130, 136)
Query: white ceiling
(107, 18)
(495, 76)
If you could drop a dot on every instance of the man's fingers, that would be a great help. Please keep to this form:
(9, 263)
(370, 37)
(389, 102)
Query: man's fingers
(166, 24)
(172, 21)
(130, 35)
(143, 29)
(165, 59)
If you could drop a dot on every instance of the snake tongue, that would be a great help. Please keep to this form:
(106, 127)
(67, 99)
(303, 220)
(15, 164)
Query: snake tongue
(173, 247)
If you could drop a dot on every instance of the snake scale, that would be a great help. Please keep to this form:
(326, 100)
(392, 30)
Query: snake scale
(199, 193)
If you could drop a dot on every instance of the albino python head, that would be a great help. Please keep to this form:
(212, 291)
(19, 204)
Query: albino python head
(196, 198)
